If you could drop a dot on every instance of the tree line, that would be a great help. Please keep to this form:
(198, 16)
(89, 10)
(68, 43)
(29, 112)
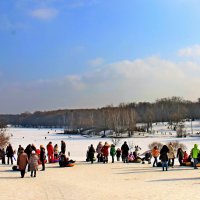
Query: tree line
(123, 117)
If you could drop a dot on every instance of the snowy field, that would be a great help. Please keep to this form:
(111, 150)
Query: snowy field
(77, 145)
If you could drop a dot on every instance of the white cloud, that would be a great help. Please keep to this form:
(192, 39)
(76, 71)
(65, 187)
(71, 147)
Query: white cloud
(192, 51)
(44, 13)
(96, 62)
(75, 82)
(123, 81)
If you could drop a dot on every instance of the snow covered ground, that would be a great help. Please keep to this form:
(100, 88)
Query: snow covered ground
(77, 145)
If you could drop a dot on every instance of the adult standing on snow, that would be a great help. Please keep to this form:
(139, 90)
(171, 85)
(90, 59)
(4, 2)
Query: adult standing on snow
(9, 153)
(112, 152)
(125, 150)
(91, 152)
(194, 154)
(155, 153)
(33, 163)
(105, 152)
(164, 157)
(171, 155)
(42, 156)
(50, 151)
(22, 161)
(99, 153)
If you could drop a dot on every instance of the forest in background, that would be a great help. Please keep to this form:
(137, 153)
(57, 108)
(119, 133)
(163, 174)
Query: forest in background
(121, 118)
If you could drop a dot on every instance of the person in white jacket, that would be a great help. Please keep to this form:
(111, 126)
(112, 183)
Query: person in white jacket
(171, 155)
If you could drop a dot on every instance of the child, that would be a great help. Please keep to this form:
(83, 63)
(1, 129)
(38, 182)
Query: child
(118, 153)
(131, 157)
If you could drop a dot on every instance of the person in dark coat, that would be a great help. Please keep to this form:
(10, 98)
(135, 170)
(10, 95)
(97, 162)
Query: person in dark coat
(63, 147)
(164, 157)
(19, 150)
(118, 154)
(42, 156)
(9, 153)
(91, 152)
(64, 160)
(125, 150)
(33, 147)
(2, 156)
(28, 151)
(180, 154)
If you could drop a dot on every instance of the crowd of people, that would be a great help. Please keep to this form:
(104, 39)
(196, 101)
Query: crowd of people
(163, 157)
(32, 156)
(122, 153)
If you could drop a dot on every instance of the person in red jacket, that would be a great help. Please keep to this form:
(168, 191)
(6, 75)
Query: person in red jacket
(50, 151)
(105, 152)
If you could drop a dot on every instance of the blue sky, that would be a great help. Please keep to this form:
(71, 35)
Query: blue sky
(91, 53)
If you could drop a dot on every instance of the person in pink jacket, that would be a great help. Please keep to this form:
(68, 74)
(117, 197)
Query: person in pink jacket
(50, 151)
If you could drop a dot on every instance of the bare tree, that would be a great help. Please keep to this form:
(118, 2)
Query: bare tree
(180, 130)
(131, 145)
(115, 141)
(114, 118)
(4, 139)
(177, 145)
(153, 144)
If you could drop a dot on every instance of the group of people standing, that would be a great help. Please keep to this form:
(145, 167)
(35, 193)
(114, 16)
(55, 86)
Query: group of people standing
(32, 157)
(9, 152)
(166, 154)
(103, 152)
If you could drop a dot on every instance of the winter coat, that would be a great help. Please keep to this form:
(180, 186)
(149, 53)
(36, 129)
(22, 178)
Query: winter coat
(33, 162)
(118, 152)
(28, 150)
(2, 153)
(112, 150)
(91, 152)
(125, 149)
(22, 161)
(195, 151)
(9, 151)
(171, 153)
(98, 149)
(180, 153)
(163, 153)
(131, 157)
(42, 154)
(185, 156)
(50, 149)
(104, 150)
(155, 153)
(63, 147)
